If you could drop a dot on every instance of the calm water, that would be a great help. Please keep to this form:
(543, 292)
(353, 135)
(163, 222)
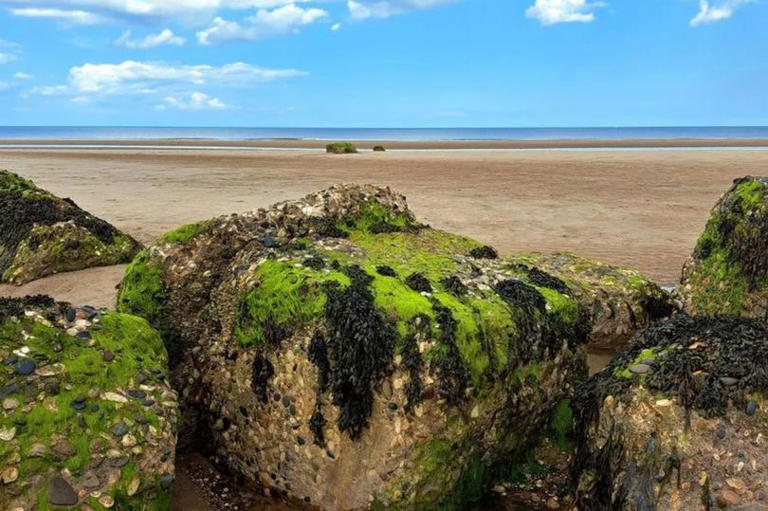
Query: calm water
(400, 134)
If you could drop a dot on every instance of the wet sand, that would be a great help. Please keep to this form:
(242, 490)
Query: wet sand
(642, 209)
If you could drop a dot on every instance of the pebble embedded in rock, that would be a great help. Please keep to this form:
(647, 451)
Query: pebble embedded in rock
(720, 432)
(9, 475)
(726, 498)
(120, 429)
(108, 356)
(165, 481)
(728, 381)
(60, 492)
(71, 314)
(137, 393)
(10, 404)
(25, 367)
(751, 408)
(639, 369)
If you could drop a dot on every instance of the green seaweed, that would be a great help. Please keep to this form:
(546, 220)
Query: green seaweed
(186, 232)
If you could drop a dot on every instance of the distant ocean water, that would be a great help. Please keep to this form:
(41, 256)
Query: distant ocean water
(398, 134)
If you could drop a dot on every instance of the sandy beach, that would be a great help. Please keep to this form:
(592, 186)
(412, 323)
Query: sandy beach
(642, 209)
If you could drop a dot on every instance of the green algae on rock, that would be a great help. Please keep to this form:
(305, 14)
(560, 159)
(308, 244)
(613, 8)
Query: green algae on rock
(339, 352)
(87, 414)
(620, 301)
(728, 270)
(676, 419)
(41, 234)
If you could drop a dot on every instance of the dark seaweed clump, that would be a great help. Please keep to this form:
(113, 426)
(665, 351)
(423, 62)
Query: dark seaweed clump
(14, 307)
(316, 263)
(453, 377)
(360, 345)
(484, 252)
(541, 278)
(418, 282)
(722, 348)
(262, 371)
(19, 212)
(386, 271)
(454, 285)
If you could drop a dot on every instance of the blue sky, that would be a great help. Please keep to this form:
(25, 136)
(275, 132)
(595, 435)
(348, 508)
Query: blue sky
(384, 63)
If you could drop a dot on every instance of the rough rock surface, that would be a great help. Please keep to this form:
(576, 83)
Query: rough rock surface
(339, 352)
(678, 421)
(728, 270)
(620, 301)
(87, 414)
(41, 234)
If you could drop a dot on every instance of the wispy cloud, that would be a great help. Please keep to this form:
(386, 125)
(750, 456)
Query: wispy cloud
(22, 76)
(193, 101)
(363, 9)
(7, 57)
(551, 12)
(74, 16)
(265, 23)
(709, 13)
(90, 12)
(164, 38)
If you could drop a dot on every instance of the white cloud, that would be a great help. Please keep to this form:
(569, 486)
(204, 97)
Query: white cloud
(166, 37)
(7, 57)
(147, 78)
(551, 12)
(335, 27)
(265, 23)
(102, 11)
(4, 86)
(23, 76)
(193, 101)
(712, 13)
(66, 15)
(362, 9)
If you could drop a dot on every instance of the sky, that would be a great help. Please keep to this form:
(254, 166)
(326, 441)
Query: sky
(384, 63)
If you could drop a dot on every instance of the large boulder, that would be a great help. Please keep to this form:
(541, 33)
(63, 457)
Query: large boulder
(619, 301)
(41, 234)
(728, 270)
(87, 414)
(678, 421)
(336, 351)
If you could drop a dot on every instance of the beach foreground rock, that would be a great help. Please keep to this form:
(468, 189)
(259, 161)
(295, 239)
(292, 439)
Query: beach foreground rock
(728, 270)
(619, 301)
(41, 234)
(678, 421)
(340, 353)
(87, 414)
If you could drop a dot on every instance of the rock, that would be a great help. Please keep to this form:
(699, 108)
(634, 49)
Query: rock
(10, 404)
(341, 148)
(630, 449)
(619, 302)
(54, 436)
(726, 498)
(41, 234)
(751, 407)
(639, 369)
(25, 367)
(9, 475)
(120, 429)
(272, 350)
(730, 255)
(106, 501)
(60, 492)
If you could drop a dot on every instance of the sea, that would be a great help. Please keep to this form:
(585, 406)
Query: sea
(393, 134)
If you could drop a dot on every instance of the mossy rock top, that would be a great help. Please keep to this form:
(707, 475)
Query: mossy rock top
(728, 270)
(87, 414)
(620, 301)
(41, 234)
(686, 390)
(328, 322)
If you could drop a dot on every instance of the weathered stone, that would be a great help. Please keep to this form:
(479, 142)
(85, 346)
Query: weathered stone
(60, 492)
(272, 346)
(41, 234)
(631, 451)
(726, 274)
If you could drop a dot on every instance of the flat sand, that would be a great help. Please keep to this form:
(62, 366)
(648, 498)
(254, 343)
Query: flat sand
(641, 209)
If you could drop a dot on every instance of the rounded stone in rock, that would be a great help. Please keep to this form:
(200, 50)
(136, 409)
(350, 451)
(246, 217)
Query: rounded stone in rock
(137, 393)
(639, 369)
(120, 429)
(60, 492)
(10, 404)
(720, 432)
(71, 314)
(751, 408)
(25, 367)
(108, 356)
(165, 481)
(728, 381)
